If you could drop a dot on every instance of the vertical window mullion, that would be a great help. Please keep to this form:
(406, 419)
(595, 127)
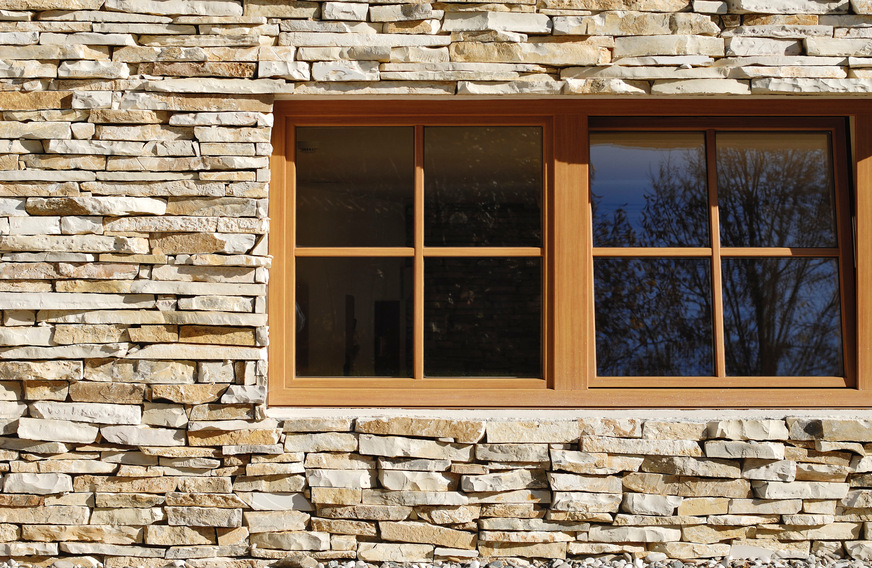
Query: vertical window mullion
(714, 230)
(418, 331)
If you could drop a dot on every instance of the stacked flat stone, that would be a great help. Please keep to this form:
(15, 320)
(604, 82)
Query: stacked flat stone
(210, 485)
(134, 150)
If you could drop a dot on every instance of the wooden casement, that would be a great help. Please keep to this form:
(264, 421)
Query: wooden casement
(569, 378)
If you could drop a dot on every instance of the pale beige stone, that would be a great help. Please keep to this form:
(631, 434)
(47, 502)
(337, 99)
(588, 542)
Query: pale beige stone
(386, 552)
(423, 533)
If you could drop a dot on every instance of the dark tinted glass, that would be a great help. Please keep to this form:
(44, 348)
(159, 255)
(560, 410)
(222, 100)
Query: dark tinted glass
(354, 317)
(648, 189)
(355, 186)
(782, 317)
(482, 317)
(482, 186)
(653, 317)
(775, 189)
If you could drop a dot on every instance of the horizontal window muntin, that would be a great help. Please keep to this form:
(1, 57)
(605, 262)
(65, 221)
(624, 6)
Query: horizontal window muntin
(568, 255)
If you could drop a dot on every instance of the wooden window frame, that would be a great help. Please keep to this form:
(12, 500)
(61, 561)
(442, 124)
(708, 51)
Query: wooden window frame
(568, 326)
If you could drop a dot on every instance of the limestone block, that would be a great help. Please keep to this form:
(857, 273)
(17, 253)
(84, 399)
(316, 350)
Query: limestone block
(239, 394)
(464, 431)
(600, 533)
(812, 87)
(703, 506)
(788, 6)
(93, 70)
(423, 533)
(857, 498)
(697, 467)
(87, 412)
(616, 23)
(743, 46)
(292, 540)
(557, 52)
(37, 483)
(35, 130)
(75, 243)
(416, 481)
(521, 431)
(413, 498)
(340, 478)
(146, 372)
(759, 450)
(321, 442)
(204, 517)
(396, 446)
(138, 516)
(168, 415)
(799, 490)
(26, 336)
(56, 430)
(403, 12)
(701, 87)
(593, 463)
(645, 504)
(504, 481)
(29, 549)
(387, 552)
(688, 550)
(56, 515)
(200, 243)
(367, 512)
(640, 446)
(512, 452)
(739, 429)
(667, 430)
(501, 21)
(276, 501)
(173, 536)
(274, 521)
(355, 11)
(450, 515)
(782, 470)
(92, 533)
(572, 482)
(586, 502)
(859, 549)
(143, 436)
(636, 46)
(345, 71)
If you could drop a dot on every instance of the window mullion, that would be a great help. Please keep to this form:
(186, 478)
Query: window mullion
(418, 331)
(715, 235)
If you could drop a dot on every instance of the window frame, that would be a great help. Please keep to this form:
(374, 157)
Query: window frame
(568, 326)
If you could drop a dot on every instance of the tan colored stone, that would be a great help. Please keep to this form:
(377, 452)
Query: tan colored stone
(423, 533)
(703, 506)
(175, 535)
(87, 533)
(188, 394)
(387, 552)
(214, 335)
(461, 430)
(538, 550)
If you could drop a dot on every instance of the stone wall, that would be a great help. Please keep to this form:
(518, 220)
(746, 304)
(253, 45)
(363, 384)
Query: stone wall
(134, 150)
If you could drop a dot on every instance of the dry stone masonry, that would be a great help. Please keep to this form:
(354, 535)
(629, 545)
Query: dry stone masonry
(187, 479)
(134, 149)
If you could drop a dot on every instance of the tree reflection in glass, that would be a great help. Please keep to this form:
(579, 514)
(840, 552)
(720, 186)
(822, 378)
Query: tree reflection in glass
(775, 189)
(652, 317)
(782, 317)
(648, 189)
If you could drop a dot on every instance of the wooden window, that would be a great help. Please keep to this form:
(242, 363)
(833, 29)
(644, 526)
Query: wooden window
(569, 253)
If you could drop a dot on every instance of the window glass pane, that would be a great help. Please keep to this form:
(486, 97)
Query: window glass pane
(653, 317)
(482, 317)
(483, 186)
(775, 189)
(782, 317)
(648, 189)
(354, 317)
(355, 186)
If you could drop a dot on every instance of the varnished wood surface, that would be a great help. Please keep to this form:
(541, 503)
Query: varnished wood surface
(569, 379)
